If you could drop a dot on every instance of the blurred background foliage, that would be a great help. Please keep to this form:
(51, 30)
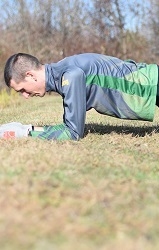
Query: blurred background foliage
(53, 29)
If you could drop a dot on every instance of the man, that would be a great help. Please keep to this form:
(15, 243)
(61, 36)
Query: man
(123, 89)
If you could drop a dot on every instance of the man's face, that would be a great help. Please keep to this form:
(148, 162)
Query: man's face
(32, 85)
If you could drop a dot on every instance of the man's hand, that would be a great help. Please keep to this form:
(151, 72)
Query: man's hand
(14, 130)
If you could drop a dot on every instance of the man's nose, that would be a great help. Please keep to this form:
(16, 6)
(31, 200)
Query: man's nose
(25, 95)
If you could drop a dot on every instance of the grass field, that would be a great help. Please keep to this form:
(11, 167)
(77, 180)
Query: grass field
(99, 193)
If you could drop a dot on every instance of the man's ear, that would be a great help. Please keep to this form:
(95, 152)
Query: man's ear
(31, 75)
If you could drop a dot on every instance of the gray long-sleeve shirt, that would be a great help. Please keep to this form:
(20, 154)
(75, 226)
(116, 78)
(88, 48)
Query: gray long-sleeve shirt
(123, 89)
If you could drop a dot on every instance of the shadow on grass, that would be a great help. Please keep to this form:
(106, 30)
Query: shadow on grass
(120, 129)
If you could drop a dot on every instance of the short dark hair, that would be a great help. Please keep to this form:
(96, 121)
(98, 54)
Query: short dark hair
(17, 65)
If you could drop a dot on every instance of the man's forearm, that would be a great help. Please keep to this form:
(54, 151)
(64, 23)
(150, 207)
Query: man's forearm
(57, 132)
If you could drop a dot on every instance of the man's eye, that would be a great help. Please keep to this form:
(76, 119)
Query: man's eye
(21, 90)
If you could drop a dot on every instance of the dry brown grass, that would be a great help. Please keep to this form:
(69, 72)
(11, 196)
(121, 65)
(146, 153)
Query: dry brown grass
(98, 193)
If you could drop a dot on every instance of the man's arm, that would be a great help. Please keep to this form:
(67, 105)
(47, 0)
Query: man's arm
(57, 132)
(74, 104)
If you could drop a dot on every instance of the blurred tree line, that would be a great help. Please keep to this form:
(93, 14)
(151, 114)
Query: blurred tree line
(53, 29)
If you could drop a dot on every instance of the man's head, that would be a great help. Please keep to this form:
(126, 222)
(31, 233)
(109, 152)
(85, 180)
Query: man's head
(25, 74)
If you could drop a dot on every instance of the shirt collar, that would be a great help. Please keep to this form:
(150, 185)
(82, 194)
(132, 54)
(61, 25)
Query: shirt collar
(50, 81)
